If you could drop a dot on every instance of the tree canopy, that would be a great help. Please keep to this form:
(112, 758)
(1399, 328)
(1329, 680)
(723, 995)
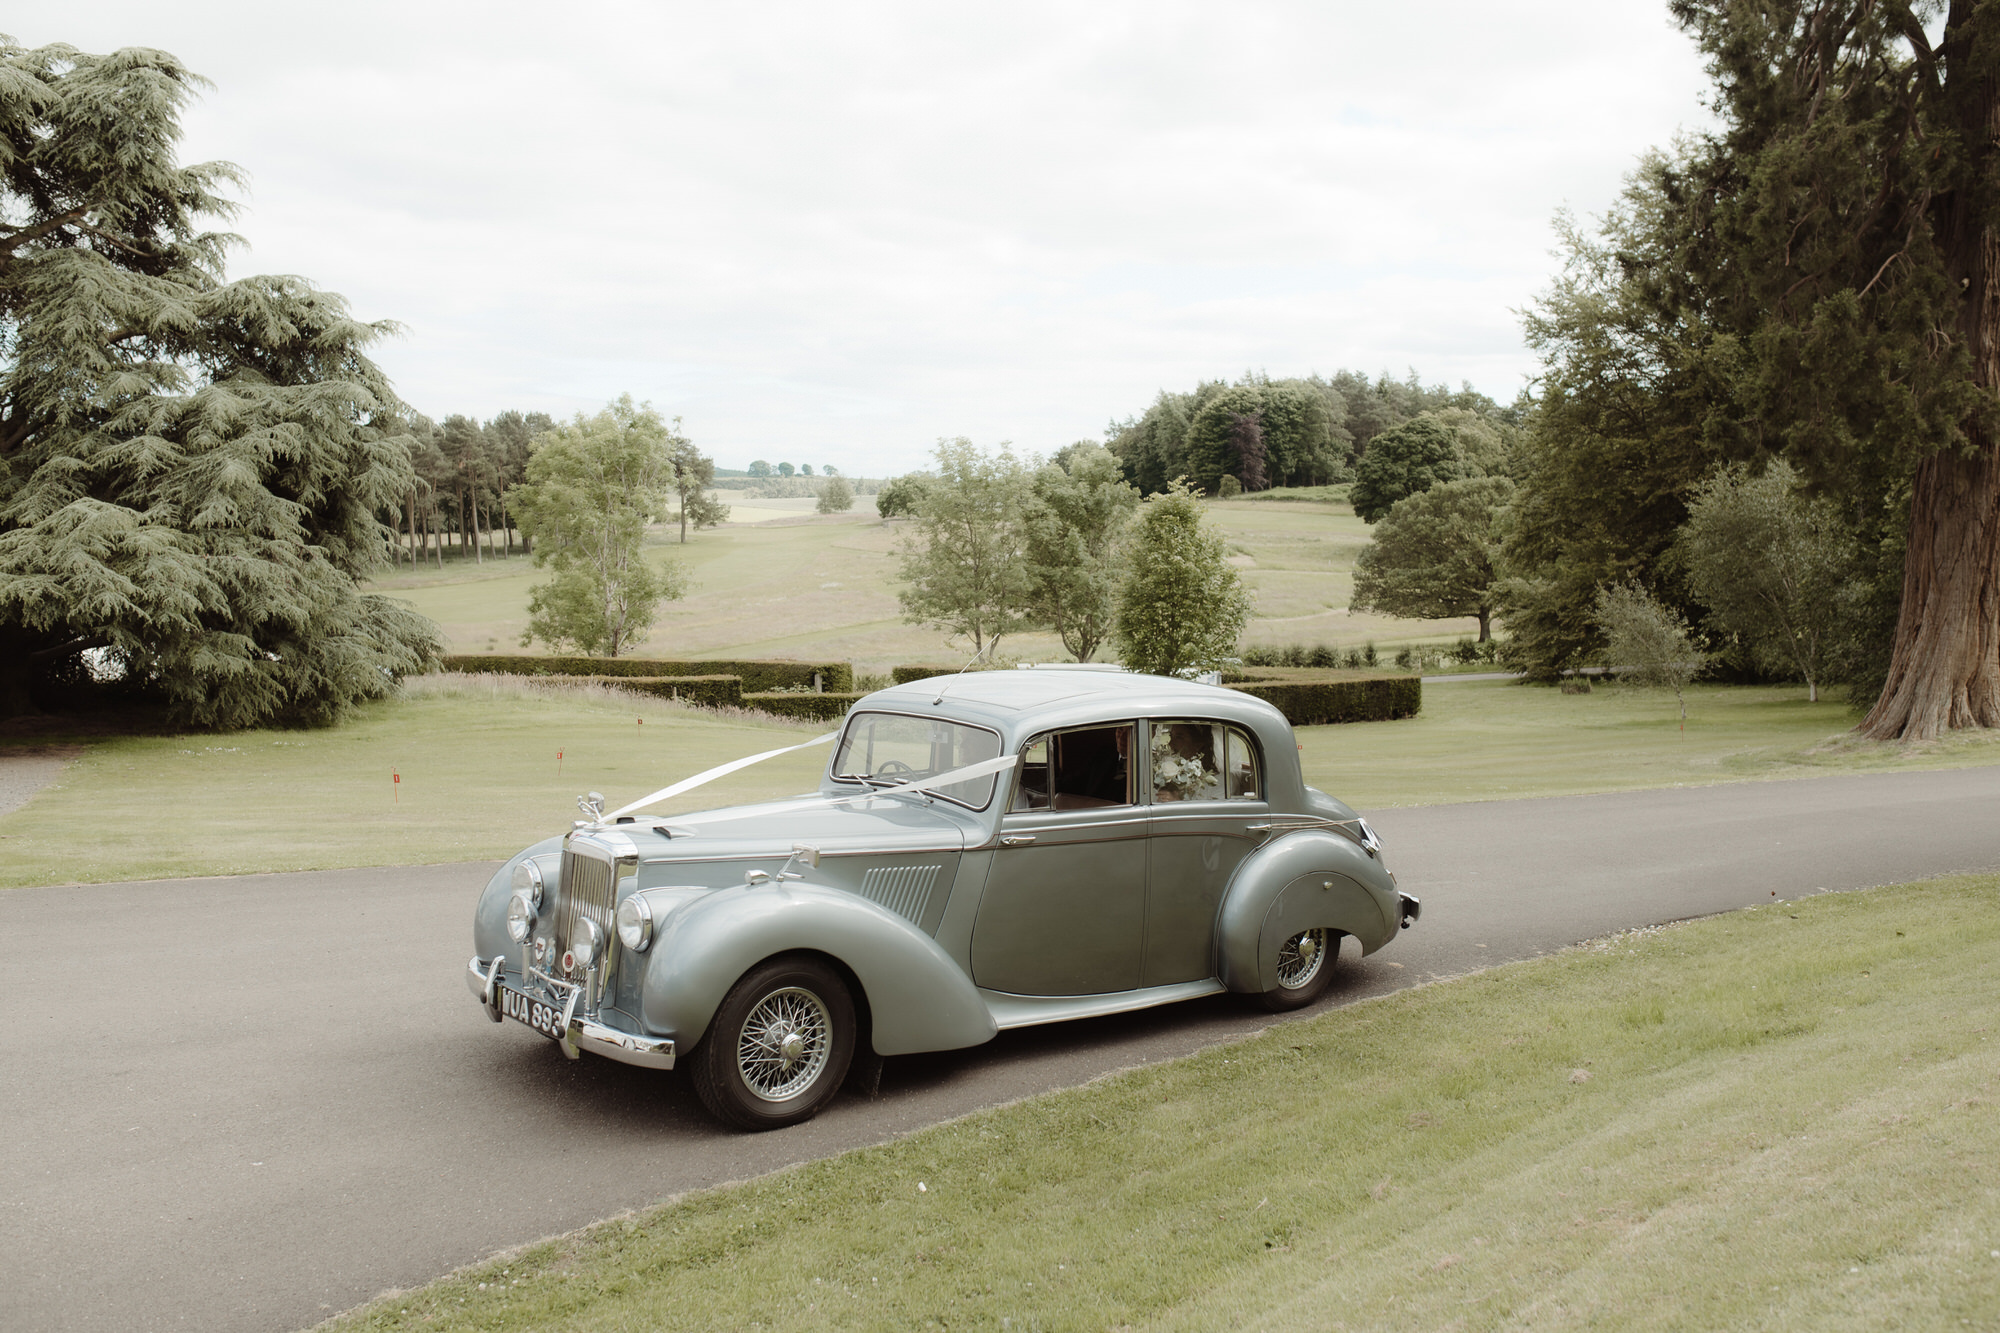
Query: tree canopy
(1182, 605)
(1436, 554)
(963, 563)
(592, 486)
(191, 469)
(1405, 460)
(1078, 513)
(1815, 278)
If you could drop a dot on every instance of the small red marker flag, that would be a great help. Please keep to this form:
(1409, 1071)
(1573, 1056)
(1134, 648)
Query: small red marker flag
(395, 784)
(558, 763)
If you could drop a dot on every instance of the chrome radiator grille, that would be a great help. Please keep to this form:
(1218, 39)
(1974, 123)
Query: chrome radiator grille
(589, 886)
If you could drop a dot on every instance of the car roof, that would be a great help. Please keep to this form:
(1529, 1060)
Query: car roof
(1053, 695)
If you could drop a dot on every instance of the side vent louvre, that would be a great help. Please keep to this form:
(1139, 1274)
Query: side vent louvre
(904, 890)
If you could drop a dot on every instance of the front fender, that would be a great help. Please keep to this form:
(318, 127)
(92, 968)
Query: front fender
(1296, 882)
(919, 998)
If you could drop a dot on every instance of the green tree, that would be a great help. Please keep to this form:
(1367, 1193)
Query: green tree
(1647, 642)
(592, 486)
(963, 561)
(1840, 228)
(904, 495)
(1077, 516)
(1775, 567)
(192, 470)
(1215, 438)
(836, 497)
(513, 432)
(1436, 554)
(691, 474)
(759, 468)
(1404, 460)
(1182, 605)
(786, 469)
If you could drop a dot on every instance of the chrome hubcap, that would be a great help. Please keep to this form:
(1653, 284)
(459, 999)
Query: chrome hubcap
(785, 1043)
(1301, 957)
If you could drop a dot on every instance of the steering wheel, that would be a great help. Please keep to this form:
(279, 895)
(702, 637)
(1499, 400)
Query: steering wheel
(893, 768)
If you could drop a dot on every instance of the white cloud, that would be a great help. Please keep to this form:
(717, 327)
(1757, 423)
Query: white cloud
(833, 233)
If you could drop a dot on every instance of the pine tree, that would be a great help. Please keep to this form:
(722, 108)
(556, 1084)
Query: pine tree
(191, 469)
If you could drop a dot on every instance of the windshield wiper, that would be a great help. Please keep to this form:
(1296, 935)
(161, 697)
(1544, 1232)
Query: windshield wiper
(869, 778)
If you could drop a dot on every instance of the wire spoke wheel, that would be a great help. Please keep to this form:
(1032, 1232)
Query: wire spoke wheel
(1305, 969)
(779, 1045)
(1301, 957)
(784, 1044)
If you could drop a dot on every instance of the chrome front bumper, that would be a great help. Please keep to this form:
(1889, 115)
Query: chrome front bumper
(482, 977)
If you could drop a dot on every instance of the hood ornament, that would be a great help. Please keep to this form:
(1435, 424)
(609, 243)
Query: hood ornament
(592, 805)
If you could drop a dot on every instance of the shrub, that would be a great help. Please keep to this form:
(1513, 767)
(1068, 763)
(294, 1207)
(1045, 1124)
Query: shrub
(835, 677)
(819, 707)
(1312, 703)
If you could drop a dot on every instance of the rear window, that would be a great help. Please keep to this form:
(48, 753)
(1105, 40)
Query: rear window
(889, 749)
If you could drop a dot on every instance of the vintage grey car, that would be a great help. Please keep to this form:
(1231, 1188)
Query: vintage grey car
(985, 851)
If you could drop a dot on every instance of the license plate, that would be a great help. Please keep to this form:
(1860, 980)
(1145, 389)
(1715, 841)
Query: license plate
(543, 1017)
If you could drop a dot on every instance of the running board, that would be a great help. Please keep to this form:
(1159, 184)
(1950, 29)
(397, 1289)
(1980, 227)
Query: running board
(1025, 1011)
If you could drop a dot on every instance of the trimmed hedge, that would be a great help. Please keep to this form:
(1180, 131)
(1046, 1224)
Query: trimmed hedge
(903, 675)
(704, 691)
(1309, 702)
(757, 676)
(819, 707)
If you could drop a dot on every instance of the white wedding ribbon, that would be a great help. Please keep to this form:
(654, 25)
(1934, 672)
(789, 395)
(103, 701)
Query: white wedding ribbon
(719, 771)
(956, 775)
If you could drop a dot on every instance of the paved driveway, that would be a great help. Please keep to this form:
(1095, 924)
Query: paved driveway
(244, 1104)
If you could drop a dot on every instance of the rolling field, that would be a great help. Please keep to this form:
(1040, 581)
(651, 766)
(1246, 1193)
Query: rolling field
(781, 581)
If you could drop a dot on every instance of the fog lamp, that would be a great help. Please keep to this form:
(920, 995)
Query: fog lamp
(635, 923)
(584, 946)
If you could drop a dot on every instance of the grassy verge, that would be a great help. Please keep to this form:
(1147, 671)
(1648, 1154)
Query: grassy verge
(1783, 1117)
(1496, 740)
(481, 777)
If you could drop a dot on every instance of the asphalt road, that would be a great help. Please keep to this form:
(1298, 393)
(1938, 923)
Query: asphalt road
(246, 1104)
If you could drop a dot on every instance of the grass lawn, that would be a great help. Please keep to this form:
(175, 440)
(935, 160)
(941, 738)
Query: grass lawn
(786, 582)
(1497, 740)
(1779, 1118)
(478, 759)
(480, 778)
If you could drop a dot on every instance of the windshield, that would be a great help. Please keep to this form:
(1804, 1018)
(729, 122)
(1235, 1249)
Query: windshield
(889, 749)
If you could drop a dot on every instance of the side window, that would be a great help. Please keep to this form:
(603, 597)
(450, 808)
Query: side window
(1033, 791)
(1243, 781)
(1077, 770)
(1203, 761)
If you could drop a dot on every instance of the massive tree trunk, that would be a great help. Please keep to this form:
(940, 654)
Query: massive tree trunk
(1945, 671)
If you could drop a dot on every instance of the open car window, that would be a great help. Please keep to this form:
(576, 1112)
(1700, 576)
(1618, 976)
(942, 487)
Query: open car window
(1203, 761)
(889, 749)
(1077, 770)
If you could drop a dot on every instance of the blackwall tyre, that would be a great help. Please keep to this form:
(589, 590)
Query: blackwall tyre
(778, 1047)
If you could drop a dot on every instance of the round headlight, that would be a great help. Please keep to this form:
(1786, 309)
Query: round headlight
(528, 880)
(635, 924)
(584, 946)
(520, 916)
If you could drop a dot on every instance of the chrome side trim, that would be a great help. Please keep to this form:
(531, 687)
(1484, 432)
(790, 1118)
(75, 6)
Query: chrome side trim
(1021, 1011)
(824, 856)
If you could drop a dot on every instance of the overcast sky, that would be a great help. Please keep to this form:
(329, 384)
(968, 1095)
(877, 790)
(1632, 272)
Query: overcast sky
(833, 233)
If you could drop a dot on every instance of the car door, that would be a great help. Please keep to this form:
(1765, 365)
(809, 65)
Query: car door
(1206, 787)
(1064, 911)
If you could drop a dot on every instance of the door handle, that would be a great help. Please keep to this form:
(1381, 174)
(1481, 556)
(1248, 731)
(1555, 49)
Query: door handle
(1017, 840)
